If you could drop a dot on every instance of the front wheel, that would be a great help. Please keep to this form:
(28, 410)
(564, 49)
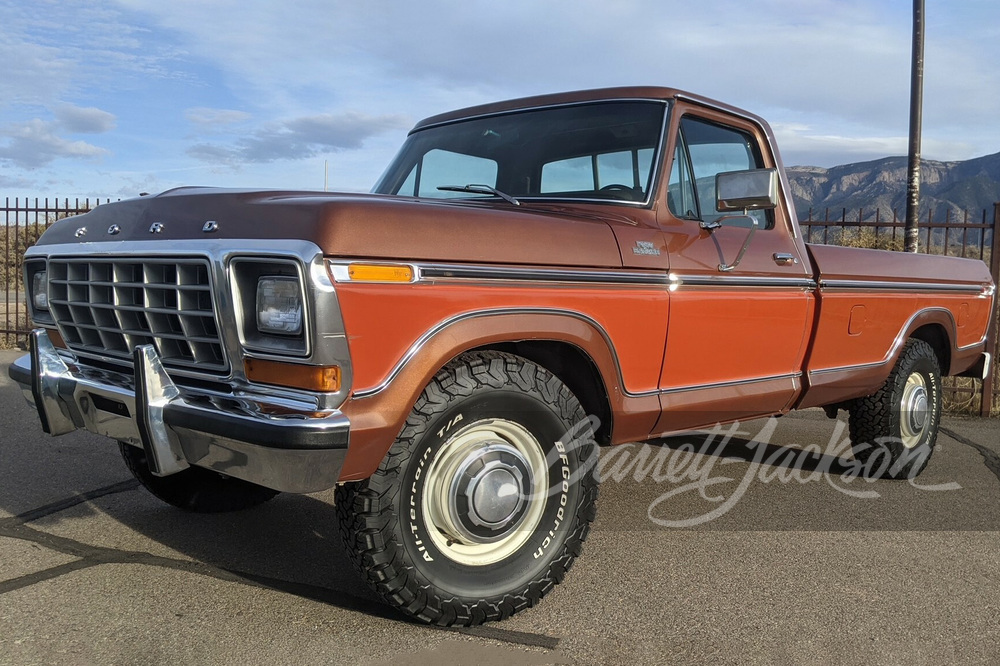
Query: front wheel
(484, 500)
(195, 489)
(893, 431)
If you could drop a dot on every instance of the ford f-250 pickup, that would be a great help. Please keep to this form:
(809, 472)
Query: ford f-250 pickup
(527, 281)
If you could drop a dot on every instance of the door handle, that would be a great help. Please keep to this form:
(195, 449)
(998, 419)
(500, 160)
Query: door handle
(785, 259)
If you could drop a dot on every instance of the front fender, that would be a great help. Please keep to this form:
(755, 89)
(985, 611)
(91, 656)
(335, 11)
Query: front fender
(378, 413)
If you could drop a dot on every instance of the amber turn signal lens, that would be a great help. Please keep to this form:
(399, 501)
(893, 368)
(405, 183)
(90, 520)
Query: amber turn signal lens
(323, 378)
(380, 273)
(56, 338)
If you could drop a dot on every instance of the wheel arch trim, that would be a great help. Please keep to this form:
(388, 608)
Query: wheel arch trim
(378, 414)
(422, 342)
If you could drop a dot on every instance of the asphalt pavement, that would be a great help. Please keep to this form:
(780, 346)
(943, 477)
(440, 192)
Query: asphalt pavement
(758, 544)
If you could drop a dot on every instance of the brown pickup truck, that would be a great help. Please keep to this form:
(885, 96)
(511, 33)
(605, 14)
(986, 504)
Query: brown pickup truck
(529, 280)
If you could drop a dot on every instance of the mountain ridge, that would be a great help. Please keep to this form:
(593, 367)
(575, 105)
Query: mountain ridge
(969, 185)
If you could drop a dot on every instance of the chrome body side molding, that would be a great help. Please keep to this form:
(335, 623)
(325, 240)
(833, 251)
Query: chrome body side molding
(886, 285)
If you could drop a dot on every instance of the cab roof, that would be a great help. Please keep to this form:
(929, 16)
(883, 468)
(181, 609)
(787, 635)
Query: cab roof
(573, 97)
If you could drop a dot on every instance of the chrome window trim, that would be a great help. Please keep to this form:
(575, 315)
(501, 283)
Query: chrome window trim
(541, 107)
(656, 165)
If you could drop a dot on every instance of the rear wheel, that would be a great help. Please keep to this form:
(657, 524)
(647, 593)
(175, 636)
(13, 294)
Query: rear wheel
(484, 500)
(894, 430)
(195, 489)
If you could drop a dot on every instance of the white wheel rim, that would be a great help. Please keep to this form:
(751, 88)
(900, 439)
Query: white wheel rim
(914, 410)
(485, 492)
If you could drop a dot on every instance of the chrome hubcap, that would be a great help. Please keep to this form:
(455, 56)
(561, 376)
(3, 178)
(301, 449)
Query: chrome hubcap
(913, 412)
(487, 493)
(484, 493)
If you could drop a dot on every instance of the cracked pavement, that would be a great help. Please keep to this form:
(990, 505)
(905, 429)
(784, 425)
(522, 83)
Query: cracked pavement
(802, 567)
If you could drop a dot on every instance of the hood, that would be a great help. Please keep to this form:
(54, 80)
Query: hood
(359, 225)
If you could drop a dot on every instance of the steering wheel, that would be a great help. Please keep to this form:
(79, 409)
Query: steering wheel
(620, 191)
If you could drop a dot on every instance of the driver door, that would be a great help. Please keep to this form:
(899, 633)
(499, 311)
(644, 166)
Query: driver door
(737, 336)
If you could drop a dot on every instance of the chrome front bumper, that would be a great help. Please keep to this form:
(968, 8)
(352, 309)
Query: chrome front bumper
(270, 445)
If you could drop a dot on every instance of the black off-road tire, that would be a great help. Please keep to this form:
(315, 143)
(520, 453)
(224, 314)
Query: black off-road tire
(894, 430)
(392, 522)
(195, 489)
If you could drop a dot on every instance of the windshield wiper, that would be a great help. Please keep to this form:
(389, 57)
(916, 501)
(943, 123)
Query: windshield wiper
(480, 189)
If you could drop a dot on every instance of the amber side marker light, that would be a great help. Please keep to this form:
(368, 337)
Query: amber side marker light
(57, 339)
(380, 273)
(323, 378)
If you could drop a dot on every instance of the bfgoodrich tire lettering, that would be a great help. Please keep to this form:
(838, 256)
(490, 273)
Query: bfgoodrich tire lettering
(483, 502)
(894, 430)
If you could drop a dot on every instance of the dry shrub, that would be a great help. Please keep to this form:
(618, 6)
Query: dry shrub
(16, 240)
(867, 237)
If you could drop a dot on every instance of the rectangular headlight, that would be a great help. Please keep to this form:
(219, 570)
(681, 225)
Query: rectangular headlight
(279, 305)
(272, 305)
(40, 290)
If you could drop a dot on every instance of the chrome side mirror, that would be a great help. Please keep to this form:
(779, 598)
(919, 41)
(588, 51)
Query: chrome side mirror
(756, 189)
(725, 268)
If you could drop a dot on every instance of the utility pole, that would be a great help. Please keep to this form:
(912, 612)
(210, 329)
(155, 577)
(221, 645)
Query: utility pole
(912, 234)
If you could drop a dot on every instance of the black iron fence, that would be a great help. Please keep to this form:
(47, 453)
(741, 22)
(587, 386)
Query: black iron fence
(24, 220)
(971, 235)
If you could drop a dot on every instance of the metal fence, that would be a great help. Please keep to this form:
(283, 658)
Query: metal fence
(971, 235)
(24, 220)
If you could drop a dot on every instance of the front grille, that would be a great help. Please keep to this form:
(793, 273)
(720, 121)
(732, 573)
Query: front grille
(110, 306)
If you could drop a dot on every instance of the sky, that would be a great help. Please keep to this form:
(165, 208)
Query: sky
(114, 98)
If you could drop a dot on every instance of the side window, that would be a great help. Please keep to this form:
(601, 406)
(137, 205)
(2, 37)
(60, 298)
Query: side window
(705, 150)
(443, 167)
(680, 190)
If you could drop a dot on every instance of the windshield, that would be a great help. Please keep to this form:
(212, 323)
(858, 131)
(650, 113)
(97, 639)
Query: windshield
(597, 151)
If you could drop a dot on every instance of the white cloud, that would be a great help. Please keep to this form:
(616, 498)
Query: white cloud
(212, 118)
(32, 73)
(801, 145)
(52, 51)
(15, 183)
(299, 138)
(77, 120)
(35, 143)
